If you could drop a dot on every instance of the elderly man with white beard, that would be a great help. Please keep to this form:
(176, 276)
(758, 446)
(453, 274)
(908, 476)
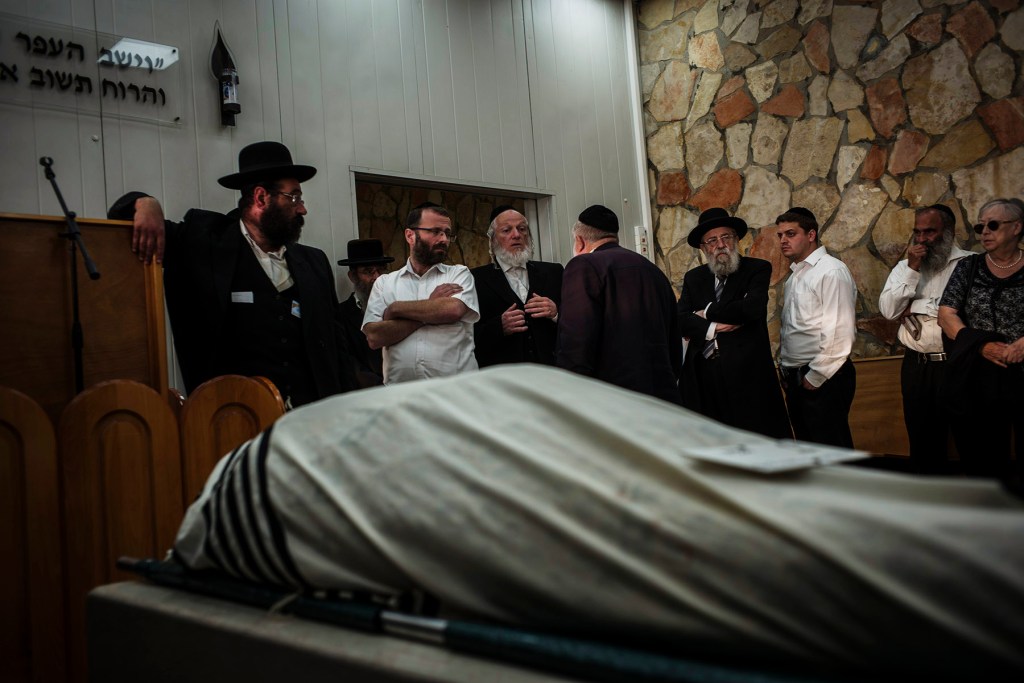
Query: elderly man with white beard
(519, 297)
(729, 374)
(911, 295)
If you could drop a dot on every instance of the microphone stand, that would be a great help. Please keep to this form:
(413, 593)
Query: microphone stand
(75, 235)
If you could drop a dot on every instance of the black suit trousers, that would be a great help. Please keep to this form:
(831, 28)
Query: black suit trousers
(822, 415)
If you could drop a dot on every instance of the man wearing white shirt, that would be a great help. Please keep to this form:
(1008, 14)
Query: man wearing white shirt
(818, 328)
(518, 296)
(911, 295)
(422, 315)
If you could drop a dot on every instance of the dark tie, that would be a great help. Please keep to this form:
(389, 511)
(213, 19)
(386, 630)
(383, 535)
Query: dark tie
(711, 345)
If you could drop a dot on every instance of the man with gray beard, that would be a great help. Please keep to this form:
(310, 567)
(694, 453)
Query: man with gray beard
(911, 295)
(518, 296)
(728, 373)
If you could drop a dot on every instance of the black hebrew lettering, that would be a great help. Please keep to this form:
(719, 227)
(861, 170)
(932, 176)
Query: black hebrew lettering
(159, 63)
(64, 79)
(106, 57)
(146, 91)
(27, 39)
(163, 98)
(138, 60)
(75, 46)
(123, 58)
(39, 45)
(37, 73)
(134, 87)
(49, 77)
(149, 63)
(113, 86)
(56, 47)
(84, 80)
(120, 87)
(12, 73)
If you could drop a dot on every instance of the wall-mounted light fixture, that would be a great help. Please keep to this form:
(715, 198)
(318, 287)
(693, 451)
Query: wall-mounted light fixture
(222, 66)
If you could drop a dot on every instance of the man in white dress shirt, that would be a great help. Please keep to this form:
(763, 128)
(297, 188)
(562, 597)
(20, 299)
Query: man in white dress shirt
(818, 328)
(911, 295)
(422, 315)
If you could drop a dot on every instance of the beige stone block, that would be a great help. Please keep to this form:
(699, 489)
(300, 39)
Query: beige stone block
(679, 261)
(939, 88)
(960, 148)
(765, 246)
(765, 196)
(782, 41)
(650, 124)
(925, 188)
(817, 96)
(734, 12)
(761, 80)
(893, 56)
(811, 148)
(897, 14)
(868, 273)
(851, 26)
(1012, 30)
(704, 150)
(812, 9)
(707, 18)
(891, 186)
(794, 69)
(844, 92)
(995, 71)
(706, 89)
(861, 203)
(666, 42)
(1002, 176)
(665, 148)
(383, 205)
(748, 30)
(769, 136)
(670, 99)
(705, 52)
(778, 12)
(648, 77)
(737, 144)
(674, 225)
(848, 161)
(858, 127)
(651, 13)
(820, 197)
(737, 56)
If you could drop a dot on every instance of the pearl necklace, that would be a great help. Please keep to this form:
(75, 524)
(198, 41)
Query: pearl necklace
(1020, 254)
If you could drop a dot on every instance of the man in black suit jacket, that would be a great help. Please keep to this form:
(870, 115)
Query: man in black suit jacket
(518, 297)
(728, 373)
(243, 296)
(618, 317)
(366, 262)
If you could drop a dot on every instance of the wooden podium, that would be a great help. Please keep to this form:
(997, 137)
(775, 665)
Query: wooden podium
(122, 313)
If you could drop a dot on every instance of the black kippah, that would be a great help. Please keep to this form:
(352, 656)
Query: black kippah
(799, 210)
(942, 208)
(600, 218)
(500, 209)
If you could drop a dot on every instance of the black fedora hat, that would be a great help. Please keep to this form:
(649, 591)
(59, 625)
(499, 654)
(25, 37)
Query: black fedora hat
(365, 253)
(715, 218)
(262, 161)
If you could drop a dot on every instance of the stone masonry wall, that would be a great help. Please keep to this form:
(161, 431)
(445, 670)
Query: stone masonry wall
(859, 110)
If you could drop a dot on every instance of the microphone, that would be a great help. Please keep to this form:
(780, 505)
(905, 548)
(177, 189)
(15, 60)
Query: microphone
(46, 161)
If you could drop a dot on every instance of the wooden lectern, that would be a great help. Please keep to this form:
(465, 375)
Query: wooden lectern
(122, 313)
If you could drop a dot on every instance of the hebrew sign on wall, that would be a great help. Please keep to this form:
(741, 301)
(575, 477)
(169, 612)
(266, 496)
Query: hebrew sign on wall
(72, 69)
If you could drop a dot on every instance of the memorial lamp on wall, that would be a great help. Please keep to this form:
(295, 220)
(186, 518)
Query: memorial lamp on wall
(222, 66)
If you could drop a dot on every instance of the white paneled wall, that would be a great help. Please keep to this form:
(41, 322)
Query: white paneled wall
(524, 94)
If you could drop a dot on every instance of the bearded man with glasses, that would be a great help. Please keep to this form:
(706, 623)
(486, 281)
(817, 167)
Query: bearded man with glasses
(422, 315)
(244, 297)
(728, 372)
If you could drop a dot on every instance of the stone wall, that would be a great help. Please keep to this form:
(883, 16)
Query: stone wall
(382, 210)
(858, 110)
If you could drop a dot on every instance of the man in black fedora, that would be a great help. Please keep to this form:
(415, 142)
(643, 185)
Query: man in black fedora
(244, 297)
(618, 315)
(729, 374)
(518, 296)
(366, 262)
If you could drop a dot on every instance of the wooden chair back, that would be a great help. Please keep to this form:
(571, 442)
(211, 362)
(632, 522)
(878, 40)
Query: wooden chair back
(31, 575)
(218, 416)
(121, 478)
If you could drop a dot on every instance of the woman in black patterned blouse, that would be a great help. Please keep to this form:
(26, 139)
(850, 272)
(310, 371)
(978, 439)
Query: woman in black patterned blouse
(982, 311)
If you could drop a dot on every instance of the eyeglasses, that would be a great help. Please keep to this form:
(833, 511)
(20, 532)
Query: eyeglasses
(724, 239)
(991, 225)
(296, 198)
(437, 232)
